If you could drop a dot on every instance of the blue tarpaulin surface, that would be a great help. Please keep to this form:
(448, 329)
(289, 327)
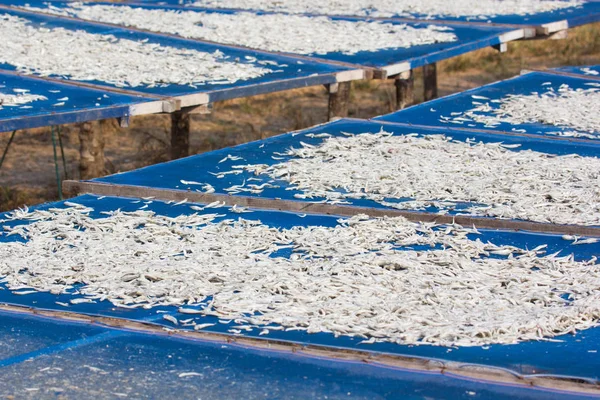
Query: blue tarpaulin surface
(586, 71)
(440, 112)
(570, 17)
(22, 335)
(576, 352)
(469, 38)
(80, 104)
(77, 360)
(205, 168)
(287, 72)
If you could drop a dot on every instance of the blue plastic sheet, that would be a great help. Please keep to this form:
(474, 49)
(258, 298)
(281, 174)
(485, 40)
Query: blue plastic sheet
(469, 38)
(80, 104)
(576, 352)
(23, 335)
(588, 71)
(287, 73)
(554, 21)
(204, 168)
(81, 361)
(433, 113)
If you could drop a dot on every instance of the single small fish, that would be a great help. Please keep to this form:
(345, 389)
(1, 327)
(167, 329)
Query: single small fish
(171, 319)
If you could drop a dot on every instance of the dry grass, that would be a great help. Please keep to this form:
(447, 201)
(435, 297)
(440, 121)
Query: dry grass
(28, 174)
(580, 48)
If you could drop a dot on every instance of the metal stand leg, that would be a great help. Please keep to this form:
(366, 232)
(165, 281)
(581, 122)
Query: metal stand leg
(12, 136)
(56, 171)
(62, 151)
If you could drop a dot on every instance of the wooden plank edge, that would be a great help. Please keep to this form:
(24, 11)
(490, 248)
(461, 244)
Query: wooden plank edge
(454, 369)
(552, 27)
(562, 73)
(105, 189)
(516, 135)
(193, 100)
(514, 35)
(352, 75)
(151, 107)
(393, 70)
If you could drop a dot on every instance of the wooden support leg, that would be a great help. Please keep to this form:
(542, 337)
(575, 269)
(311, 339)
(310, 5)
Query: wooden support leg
(180, 134)
(430, 82)
(91, 151)
(108, 127)
(339, 96)
(405, 90)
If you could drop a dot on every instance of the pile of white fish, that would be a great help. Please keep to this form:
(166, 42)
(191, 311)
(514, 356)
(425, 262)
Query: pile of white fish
(22, 97)
(437, 171)
(566, 108)
(364, 277)
(478, 9)
(85, 56)
(272, 32)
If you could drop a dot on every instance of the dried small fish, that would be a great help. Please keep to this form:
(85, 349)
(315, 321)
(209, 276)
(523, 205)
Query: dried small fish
(8, 100)
(26, 292)
(566, 109)
(215, 204)
(190, 182)
(81, 301)
(208, 188)
(239, 210)
(171, 319)
(360, 277)
(589, 71)
(190, 311)
(188, 374)
(488, 179)
(474, 9)
(273, 32)
(230, 157)
(587, 241)
(118, 61)
(199, 327)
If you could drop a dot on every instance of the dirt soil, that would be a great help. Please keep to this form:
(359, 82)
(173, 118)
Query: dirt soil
(28, 174)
